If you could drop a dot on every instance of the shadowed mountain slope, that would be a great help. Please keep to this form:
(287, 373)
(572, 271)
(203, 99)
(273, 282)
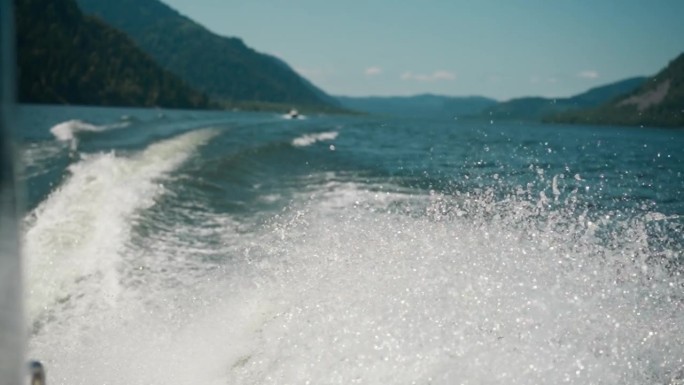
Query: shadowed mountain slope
(223, 67)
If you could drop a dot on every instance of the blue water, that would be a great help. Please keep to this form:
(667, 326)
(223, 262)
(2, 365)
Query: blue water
(230, 247)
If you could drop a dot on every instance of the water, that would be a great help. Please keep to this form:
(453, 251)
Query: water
(178, 247)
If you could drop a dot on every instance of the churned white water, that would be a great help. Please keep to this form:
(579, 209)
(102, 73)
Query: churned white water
(68, 130)
(352, 285)
(74, 238)
(309, 139)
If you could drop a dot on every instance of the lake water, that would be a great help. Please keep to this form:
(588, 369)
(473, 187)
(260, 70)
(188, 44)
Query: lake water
(182, 247)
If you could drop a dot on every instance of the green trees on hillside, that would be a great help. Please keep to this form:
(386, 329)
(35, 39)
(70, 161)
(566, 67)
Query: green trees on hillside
(537, 108)
(66, 57)
(223, 67)
(668, 112)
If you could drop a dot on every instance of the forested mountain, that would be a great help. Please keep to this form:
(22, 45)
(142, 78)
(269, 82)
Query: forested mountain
(658, 102)
(536, 108)
(66, 57)
(223, 67)
(425, 105)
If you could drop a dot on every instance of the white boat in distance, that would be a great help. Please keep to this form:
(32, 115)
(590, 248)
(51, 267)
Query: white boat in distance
(293, 114)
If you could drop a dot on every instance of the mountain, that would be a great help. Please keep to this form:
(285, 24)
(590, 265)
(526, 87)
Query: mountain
(603, 94)
(536, 108)
(527, 108)
(66, 57)
(223, 67)
(426, 105)
(657, 102)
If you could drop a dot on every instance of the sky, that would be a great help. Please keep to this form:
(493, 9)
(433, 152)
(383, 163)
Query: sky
(500, 49)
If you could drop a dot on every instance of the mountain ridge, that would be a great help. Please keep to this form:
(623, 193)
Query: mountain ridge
(537, 107)
(224, 67)
(418, 105)
(657, 102)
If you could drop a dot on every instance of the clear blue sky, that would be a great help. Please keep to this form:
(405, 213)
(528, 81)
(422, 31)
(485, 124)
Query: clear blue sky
(500, 49)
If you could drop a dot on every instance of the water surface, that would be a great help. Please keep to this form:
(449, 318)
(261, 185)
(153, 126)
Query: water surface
(177, 247)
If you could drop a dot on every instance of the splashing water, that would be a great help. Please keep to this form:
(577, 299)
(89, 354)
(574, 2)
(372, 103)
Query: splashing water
(266, 259)
(358, 286)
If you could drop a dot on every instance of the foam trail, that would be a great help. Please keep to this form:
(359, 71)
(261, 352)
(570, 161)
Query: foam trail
(500, 295)
(357, 285)
(309, 139)
(74, 237)
(68, 130)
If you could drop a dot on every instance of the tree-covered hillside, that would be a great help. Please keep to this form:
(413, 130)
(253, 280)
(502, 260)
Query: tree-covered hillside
(536, 108)
(426, 105)
(658, 102)
(66, 57)
(225, 68)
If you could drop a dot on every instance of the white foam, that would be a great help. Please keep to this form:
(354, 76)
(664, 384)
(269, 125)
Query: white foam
(74, 238)
(309, 139)
(68, 131)
(347, 286)
(382, 297)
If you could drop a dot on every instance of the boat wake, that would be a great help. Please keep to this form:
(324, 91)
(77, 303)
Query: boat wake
(356, 282)
(69, 131)
(75, 238)
(250, 254)
(309, 139)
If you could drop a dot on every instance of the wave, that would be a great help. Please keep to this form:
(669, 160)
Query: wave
(68, 130)
(309, 139)
(75, 237)
(366, 282)
(393, 288)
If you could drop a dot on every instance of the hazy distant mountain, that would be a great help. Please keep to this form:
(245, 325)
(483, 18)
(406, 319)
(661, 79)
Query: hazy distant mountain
(657, 102)
(536, 108)
(425, 105)
(66, 57)
(223, 67)
(602, 94)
